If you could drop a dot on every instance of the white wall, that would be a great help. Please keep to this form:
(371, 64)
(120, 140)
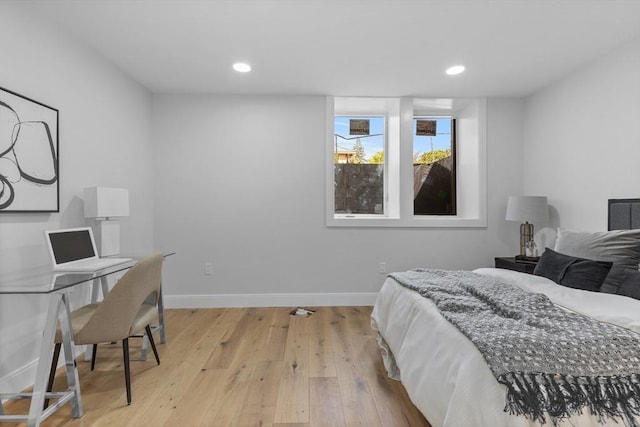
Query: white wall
(233, 180)
(582, 139)
(104, 140)
(240, 183)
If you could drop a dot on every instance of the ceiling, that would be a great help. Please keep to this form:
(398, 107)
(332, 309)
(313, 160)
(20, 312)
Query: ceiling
(347, 47)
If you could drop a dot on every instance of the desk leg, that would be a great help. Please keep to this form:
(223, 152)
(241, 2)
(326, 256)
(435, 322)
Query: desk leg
(163, 333)
(163, 336)
(58, 308)
(73, 380)
(88, 349)
(104, 285)
(44, 363)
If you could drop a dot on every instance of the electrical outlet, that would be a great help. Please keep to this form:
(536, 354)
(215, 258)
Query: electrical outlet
(208, 269)
(383, 267)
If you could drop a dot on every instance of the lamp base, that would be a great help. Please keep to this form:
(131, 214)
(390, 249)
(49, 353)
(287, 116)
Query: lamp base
(526, 234)
(108, 237)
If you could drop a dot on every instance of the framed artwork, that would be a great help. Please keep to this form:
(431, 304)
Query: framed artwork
(28, 155)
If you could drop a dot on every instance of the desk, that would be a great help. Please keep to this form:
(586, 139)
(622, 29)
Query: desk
(57, 287)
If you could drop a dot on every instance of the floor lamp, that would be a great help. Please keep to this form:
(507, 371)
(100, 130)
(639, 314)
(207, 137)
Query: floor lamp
(525, 209)
(105, 205)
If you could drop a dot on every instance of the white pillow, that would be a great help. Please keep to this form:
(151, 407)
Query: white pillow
(620, 246)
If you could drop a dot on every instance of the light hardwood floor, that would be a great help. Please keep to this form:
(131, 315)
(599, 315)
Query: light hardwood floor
(247, 367)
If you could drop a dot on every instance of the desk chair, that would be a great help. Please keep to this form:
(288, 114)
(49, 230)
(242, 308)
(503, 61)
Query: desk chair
(126, 311)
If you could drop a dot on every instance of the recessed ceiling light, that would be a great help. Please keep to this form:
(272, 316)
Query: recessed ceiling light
(242, 67)
(456, 69)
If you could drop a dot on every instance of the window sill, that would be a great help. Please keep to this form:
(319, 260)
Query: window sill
(414, 222)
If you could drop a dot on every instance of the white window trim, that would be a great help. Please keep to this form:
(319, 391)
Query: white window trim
(471, 165)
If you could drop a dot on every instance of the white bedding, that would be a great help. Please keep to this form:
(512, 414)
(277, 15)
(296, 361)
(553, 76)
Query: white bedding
(445, 375)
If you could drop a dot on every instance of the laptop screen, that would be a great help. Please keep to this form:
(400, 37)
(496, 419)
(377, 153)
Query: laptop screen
(71, 245)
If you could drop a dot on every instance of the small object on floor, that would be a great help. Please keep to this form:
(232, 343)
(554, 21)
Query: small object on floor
(301, 312)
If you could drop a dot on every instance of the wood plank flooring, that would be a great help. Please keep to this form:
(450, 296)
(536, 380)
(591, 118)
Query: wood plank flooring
(246, 367)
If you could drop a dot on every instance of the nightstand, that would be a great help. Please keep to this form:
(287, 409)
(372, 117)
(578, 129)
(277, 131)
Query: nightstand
(510, 263)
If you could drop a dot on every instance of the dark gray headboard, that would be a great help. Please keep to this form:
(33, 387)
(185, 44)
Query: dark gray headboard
(624, 214)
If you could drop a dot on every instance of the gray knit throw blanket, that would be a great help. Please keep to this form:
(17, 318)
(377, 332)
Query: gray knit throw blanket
(554, 363)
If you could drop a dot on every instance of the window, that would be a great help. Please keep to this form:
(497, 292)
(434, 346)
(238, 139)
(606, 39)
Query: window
(358, 158)
(404, 162)
(434, 165)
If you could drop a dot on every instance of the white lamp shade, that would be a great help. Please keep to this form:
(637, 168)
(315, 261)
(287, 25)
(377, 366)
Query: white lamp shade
(527, 208)
(106, 202)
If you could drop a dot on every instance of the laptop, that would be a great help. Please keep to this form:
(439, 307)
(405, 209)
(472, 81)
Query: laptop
(74, 249)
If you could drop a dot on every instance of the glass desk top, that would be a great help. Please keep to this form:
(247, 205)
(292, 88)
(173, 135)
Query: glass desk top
(45, 280)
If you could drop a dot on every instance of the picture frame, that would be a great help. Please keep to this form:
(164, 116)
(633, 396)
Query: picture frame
(29, 161)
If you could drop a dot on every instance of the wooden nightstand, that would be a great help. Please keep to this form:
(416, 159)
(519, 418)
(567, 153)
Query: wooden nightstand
(510, 263)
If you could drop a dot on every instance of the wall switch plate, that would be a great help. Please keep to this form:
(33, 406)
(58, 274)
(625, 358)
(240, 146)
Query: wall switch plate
(383, 267)
(208, 269)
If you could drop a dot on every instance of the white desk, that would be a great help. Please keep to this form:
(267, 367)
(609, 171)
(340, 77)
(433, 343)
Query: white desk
(57, 287)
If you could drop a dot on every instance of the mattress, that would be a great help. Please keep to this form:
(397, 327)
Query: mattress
(445, 375)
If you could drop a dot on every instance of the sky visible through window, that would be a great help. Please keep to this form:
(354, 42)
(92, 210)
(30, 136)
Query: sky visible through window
(373, 144)
(442, 140)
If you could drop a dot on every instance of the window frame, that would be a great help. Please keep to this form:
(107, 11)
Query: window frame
(385, 184)
(454, 170)
(398, 170)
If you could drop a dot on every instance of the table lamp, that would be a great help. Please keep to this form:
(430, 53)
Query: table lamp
(527, 208)
(105, 205)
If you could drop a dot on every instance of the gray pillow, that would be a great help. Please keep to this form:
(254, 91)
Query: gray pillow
(573, 272)
(622, 247)
(630, 286)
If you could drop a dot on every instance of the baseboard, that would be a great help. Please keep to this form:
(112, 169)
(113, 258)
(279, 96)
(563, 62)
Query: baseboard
(19, 379)
(269, 300)
(23, 377)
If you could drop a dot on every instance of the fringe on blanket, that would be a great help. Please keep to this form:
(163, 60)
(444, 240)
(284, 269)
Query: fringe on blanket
(536, 395)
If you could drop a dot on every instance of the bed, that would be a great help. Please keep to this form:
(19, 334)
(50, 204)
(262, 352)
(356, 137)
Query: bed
(445, 374)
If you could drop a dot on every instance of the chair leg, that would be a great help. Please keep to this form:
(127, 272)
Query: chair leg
(93, 356)
(52, 373)
(152, 342)
(127, 372)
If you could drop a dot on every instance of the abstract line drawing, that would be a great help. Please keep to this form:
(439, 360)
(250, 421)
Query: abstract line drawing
(28, 155)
